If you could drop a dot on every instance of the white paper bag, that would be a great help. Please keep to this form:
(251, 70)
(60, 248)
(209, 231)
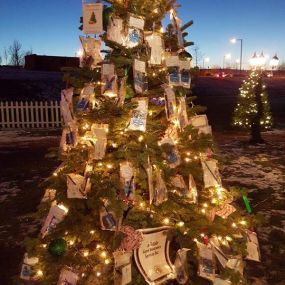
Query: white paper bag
(172, 60)
(49, 195)
(211, 173)
(115, 30)
(66, 106)
(92, 18)
(170, 103)
(253, 251)
(139, 115)
(109, 80)
(156, 44)
(99, 133)
(160, 189)
(127, 178)
(182, 113)
(193, 193)
(180, 265)
(136, 22)
(91, 48)
(140, 81)
(55, 216)
(67, 277)
(27, 270)
(199, 121)
(76, 186)
(122, 268)
(207, 267)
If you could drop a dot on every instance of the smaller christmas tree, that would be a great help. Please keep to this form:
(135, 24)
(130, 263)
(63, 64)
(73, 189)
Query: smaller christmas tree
(252, 111)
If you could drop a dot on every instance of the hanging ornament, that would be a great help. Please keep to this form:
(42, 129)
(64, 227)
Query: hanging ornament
(135, 31)
(253, 250)
(170, 103)
(66, 106)
(127, 178)
(77, 186)
(57, 247)
(122, 91)
(160, 190)
(87, 98)
(182, 115)
(132, 239)
(69, 137)
(92, 18)
(108, 219)
(211, 173)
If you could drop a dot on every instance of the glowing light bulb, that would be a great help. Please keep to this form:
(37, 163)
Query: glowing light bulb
(71, 242)
(86, 253)
(104, 254)
(141, 138)
(234, 225)
(243, 222)
(181, 224)
(40, 273)
(166, 221)
(109, 166)
(92, 232)
(98, 274)
(107, 261)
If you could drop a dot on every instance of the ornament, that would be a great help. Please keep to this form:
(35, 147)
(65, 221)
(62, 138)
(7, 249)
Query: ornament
(247, 204)
(132, 239)
(57, 247)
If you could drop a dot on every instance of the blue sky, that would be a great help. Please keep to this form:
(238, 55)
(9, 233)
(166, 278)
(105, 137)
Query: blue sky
(51, 27)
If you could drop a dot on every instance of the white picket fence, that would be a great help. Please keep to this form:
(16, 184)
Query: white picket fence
(29, 115)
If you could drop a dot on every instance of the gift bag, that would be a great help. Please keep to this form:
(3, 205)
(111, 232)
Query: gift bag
(27, 270)
(199, 121)
(92, 18)
(115, 30)
(122, 91)
(127, 178)
(76, 186)
(86, 99)
(66, 106)
(99, 132)
(193, 193)
(107, 219)
(140, 80)
(67, 277)
(91, 52)
(135, 31)
(160, 189)
(55, 216)
(211, 173)
(207, 267)
(180, 264)
(182, 113)
(155, 42)
(170, 103)
(109, 81)
(123, 267)
(139, 115)
(253, 251)
(68, 138)
(49, 195)
(185, 78)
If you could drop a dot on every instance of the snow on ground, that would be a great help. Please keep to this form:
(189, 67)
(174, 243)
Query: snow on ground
(261, 170)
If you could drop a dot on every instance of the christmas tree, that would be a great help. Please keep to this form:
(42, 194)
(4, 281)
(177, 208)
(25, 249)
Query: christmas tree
(138, 198)
(252, 111)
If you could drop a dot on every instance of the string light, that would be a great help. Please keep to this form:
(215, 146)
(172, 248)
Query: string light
(181, 224)
(141, 138)
(40, 273)
(86, 253)
(166, 221)
(92, 232)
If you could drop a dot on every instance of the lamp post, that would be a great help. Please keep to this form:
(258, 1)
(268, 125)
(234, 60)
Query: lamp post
(234, 41)
(205, 60)
(274, 62)
(226, 56)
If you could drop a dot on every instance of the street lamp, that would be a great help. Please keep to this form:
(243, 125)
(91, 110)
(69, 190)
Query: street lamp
(226, 56)
(257, 62)
(205, 60)
(274, 62)
(234, 41)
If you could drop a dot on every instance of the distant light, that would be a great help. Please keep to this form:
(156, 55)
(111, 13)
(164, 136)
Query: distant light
(233, 41)
(228, 56)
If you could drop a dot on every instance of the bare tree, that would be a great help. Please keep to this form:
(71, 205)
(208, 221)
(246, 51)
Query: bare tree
(5, 55)
(16, 53)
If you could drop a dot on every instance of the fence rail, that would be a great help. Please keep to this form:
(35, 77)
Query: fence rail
(29, 115)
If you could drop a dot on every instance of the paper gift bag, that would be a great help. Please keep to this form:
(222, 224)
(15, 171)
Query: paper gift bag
(172, 60)
(49, 195)
(107, 219)
(127, 179)
(174, 76)
(199, 121)
(27, 270)
(91, 52)
(139, 115)
(99, 132)
(135, 31)
(180, 265)
(170, 103)
(115, 30)
(193, 193)
(92, 18)
(55, 216)
(185, 78)
(207, 267)
(123, 267)
(76, 186)
(86, 99)
(67, 277)
(66, 106)
(160, 189)
(182, 113)
(109, 81)
(211, 173)
(140, 80)
(253, 251)
(155, 42)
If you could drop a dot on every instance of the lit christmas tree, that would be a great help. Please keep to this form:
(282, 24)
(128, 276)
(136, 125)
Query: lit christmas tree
(138, 198)
(252, 111)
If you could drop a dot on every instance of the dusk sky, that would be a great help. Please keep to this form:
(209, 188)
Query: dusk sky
(51, 27)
